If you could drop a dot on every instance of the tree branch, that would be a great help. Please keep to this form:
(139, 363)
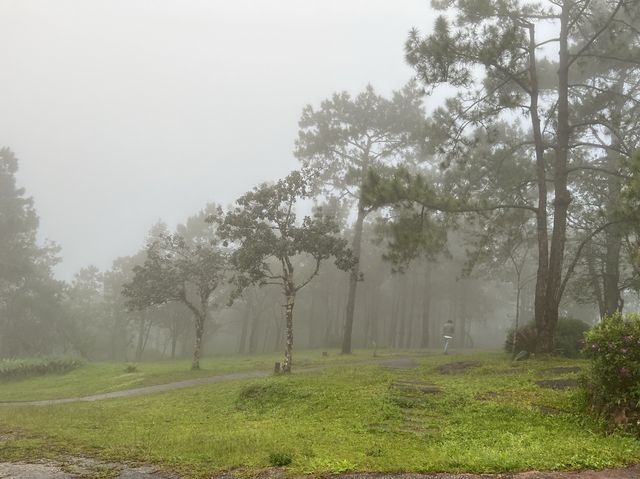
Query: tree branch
(586, 46)
(576, 258)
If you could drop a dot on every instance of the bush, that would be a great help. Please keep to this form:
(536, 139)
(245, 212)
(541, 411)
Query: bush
(525, 339)
(23, 368)
(568, 340)
(612, 385)
(280, 459)
(570, 337)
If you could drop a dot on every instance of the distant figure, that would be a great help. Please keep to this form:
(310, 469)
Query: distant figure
(447, 333)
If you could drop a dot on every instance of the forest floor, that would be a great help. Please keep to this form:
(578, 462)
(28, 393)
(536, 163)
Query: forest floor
(425, 414)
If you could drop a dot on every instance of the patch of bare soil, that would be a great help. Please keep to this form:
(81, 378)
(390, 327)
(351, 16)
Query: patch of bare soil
(563, 370)
(79, 468)
(558, 384)
(457, 367)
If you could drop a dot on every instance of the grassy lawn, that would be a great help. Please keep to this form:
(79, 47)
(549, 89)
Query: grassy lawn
(103, 377)
(342, 418)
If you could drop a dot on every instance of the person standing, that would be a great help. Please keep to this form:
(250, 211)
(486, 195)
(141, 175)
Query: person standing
(447, 333)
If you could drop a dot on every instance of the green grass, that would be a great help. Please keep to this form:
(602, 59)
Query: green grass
(104, 377)
(330, 421)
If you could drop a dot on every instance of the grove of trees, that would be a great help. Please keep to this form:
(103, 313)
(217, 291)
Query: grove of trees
(513, 199)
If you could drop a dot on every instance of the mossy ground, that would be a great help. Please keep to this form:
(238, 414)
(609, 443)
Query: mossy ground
(345, 417)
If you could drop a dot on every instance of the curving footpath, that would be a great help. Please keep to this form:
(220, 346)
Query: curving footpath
(145, 390)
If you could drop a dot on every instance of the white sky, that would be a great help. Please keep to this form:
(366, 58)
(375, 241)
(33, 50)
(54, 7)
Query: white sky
(123, 112)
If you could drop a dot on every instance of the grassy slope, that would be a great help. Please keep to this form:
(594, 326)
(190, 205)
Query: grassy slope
(485, 420)
(102, 377)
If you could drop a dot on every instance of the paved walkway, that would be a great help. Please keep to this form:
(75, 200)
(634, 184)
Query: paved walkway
(148, 389)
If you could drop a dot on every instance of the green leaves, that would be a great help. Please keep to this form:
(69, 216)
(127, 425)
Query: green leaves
(346, 135)
(268, 235)
(185, 267)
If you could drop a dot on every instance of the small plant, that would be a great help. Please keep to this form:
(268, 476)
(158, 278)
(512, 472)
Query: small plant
(612, 386)
(280, 459)
(375, 451)
(131, 368)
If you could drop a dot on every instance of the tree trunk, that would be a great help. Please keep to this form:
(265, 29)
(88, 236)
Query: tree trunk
(354, 277)
(562, 199)
(541, 182)
(288, 350)
(517, 318)
(594, 277)
(612, 298)
(613, 301)
(426, 307)
(197, 349)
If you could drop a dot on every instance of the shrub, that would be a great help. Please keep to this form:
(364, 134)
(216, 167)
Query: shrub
(612, 385)
(22, 368)
(525, 339)
(568, 339)
(280, 459)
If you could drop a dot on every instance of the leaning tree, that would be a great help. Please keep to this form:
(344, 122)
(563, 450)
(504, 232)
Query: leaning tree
(271, 241)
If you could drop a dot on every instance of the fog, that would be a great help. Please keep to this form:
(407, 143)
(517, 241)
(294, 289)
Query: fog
(125, 112)
(169, 146)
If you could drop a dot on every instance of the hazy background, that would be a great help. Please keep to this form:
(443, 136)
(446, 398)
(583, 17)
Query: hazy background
(124, 112)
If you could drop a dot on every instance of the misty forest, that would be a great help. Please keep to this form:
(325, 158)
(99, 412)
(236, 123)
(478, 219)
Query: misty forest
(444, 278)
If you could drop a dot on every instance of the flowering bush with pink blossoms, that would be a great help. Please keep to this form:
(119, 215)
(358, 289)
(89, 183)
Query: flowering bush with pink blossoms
(613, 383)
